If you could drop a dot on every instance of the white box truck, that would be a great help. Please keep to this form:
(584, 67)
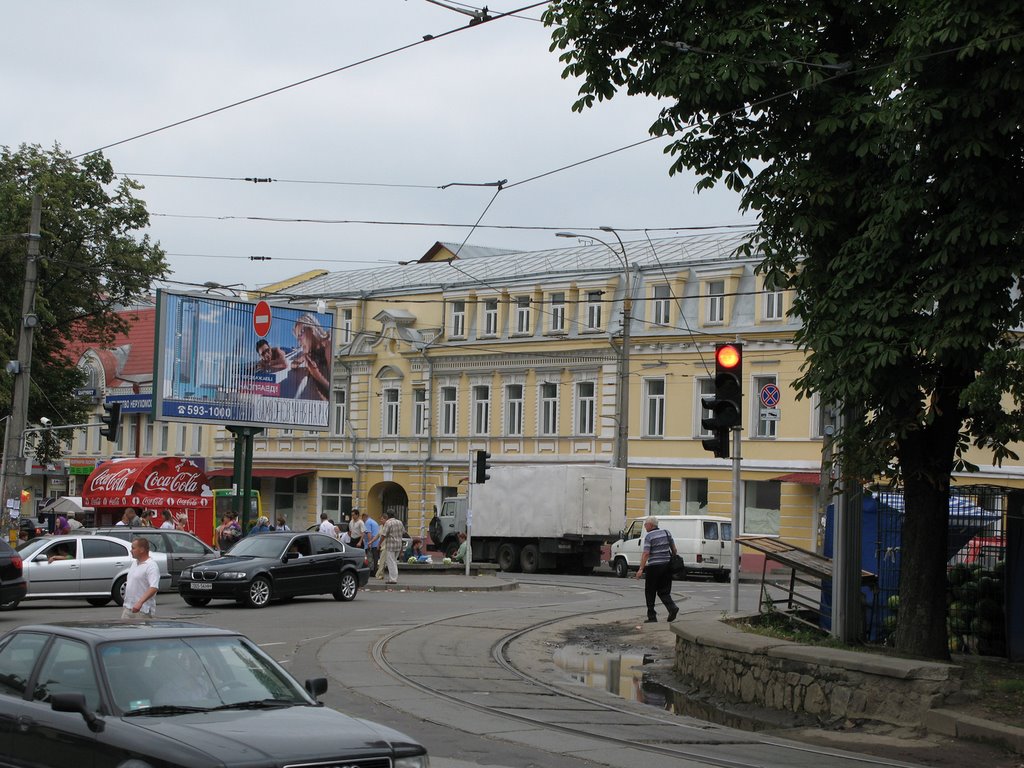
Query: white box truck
(537, 516)
(703, 541)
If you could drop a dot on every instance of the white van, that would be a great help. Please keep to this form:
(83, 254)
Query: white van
(704, 543)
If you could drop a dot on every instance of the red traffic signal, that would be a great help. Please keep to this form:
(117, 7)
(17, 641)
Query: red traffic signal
(728, 357)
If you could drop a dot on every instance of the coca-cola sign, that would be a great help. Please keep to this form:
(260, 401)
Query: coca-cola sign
(164, 483)
(113, 479)
(183, 482)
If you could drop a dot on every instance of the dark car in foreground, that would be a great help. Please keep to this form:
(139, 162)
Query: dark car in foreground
(13, 586)
(171, 693)
(277, 566)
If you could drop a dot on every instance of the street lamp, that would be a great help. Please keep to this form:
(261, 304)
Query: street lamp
(622, 393)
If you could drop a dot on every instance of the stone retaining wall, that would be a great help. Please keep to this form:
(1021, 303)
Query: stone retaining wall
(828, 683)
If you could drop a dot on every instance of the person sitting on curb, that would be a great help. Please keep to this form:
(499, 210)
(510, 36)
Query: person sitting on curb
(462, 554)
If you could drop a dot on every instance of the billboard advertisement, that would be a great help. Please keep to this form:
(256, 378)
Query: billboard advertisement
(229, 361)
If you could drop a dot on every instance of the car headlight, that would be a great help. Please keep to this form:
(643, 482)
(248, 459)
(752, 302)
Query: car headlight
(234, 575)
(186, 574)
(417, 761)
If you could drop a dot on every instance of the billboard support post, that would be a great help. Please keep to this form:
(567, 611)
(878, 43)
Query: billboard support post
(242, 471)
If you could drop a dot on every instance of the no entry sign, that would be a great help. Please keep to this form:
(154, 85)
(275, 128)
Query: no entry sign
(261, 319)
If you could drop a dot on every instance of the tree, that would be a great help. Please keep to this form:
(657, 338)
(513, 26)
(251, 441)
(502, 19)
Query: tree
(91, 262)
(881, 145)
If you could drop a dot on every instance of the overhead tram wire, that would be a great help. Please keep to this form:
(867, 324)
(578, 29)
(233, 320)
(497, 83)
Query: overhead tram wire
(426, 39)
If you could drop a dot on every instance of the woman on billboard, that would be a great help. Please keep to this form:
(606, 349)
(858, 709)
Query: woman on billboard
(314, 360)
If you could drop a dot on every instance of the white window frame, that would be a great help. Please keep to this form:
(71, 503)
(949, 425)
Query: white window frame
(523, 313)
(490, 317)
(548, 406)
(481, 409)
(459, 318)
(594, 302)
(391, 399)
(716, 302)
(586, 405)
(340, 411)
(449, 411)
(661, 298)
(557, 319)
(702, 387)
(762, 426)
(654, 408)
(514, 410)
(420, 411)
(346, 326)
(773, 308)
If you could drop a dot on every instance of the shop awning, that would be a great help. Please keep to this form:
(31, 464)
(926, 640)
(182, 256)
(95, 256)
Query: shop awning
(281, 474)
(166, 483)
(802, 478)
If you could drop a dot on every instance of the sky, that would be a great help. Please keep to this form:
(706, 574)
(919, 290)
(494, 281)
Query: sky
(373, 142)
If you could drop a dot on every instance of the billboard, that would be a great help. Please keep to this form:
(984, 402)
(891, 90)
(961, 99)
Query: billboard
(243, 363)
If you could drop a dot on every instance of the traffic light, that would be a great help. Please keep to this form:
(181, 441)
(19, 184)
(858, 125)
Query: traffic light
(727, 403)
(482, 466)
(111, 419)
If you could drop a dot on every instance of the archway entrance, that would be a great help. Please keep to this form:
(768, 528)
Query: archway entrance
(391, 498)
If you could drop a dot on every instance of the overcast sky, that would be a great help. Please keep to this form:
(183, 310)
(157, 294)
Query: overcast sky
(484, 104)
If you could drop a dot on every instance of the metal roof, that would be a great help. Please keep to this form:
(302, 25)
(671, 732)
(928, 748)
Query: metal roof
(511, 267)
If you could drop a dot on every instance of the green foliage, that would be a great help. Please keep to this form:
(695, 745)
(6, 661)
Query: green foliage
(881, 145)
(92, 261)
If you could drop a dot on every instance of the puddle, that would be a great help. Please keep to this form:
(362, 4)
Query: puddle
(623, 675)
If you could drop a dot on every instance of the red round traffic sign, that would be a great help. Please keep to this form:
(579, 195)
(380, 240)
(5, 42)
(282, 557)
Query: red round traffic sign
(261, 318)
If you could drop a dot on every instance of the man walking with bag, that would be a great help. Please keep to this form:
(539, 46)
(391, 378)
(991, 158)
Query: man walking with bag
(657, 562)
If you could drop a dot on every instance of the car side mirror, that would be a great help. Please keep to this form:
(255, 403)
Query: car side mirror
(75, 702)
(316, 686)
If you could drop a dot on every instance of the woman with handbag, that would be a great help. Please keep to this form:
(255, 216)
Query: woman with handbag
(656, 568)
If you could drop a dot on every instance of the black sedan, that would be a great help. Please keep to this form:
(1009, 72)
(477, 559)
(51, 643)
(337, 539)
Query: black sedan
(170, 693)
(277, 566)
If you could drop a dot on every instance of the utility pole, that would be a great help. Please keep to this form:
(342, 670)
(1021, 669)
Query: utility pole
(13, 457)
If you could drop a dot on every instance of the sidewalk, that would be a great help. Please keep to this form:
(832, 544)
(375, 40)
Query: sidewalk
(411, 581)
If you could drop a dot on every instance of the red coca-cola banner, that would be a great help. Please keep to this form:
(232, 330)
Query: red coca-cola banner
(169, 483)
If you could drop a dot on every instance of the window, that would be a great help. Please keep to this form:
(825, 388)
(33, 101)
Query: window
(67, 668)
(716, 301)
(549, 408)
(165, 431)
(197, 438)
(481, 409)
(761, 507)
(94, 548)
(662, 295)
(514, 410)
(179, 438)
(147, 434)
(659, 496)
(285, 491)
(458, 318)
(704, 388)
(585, 408)
(654, 408)
(420, 412)
(391, 412)
(823, 416)
(773, 305)
(17, 658)
(767, 418)
(696, 495)
(346, 326)
(523, 314)
(594, 310)
(449, 411)
(491, 317)
(557, 318)
(340, 412)
(336, 497)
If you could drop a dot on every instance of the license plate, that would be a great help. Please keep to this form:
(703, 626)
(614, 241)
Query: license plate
(202, 585)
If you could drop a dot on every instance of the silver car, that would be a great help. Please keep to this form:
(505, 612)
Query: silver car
(90, 567)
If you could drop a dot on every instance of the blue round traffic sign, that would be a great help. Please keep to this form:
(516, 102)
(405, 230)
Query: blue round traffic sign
(770, 395)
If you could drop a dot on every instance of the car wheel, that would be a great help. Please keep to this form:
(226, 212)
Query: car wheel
(621, 567)
(347, 587)
(196, 602)
(10, 605)
(508, 557)
(99, 602)
(117, 591)
(259, 593)
(529, 558)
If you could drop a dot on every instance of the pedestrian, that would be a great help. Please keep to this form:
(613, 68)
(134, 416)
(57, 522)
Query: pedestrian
(656, 568)
(168, 523)
(282, 524)
(371, 540)
(229, 531)
(391, 534)
(463, 552)
(73, 524)
(129, 518)
(181, 522)
(356, 529)
(142, 584)
(60, 526)
(262, 525)
(326, 526)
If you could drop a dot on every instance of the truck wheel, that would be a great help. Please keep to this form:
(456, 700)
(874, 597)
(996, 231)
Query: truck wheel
(435, 531)
(529, 558)
(508, 557)
(621, 567)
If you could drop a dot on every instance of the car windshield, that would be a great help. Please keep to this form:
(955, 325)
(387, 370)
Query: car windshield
(260, 546)
(178, 675)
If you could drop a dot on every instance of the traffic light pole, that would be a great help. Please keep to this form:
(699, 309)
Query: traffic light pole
(734, 580)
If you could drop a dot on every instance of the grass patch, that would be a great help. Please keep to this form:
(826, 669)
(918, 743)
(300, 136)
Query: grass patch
(783, 627)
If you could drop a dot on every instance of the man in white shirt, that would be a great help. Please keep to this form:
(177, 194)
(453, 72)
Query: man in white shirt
(326, 526)
(142, 585)
(73, 524)
(356, 529)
